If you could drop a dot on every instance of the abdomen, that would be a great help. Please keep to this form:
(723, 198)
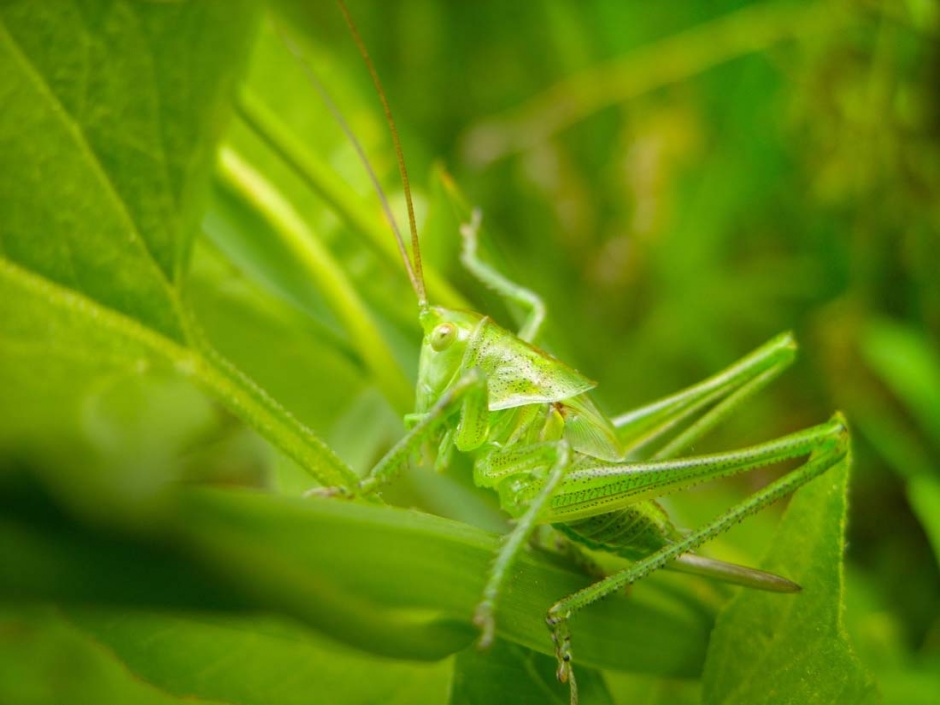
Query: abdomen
(632, 532)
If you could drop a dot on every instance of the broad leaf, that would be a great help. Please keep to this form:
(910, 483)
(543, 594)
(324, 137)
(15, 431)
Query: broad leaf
(45, 659)
(392, 582)
(517, 675)
(105, 152)
(106, 140)
(256, 661)
(770, 648)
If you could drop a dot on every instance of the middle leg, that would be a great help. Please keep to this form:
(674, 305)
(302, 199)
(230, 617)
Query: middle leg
(556, 456)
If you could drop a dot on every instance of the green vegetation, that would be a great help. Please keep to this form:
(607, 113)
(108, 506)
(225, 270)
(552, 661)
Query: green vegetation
(202, 311)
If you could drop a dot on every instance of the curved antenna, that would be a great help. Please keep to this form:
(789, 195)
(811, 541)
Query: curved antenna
(417, 280)
(418, 274)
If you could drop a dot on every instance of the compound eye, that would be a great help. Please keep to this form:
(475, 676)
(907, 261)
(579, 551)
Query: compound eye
(443, 336)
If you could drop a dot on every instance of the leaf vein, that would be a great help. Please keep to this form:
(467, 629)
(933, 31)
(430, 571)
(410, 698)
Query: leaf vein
(79, 137)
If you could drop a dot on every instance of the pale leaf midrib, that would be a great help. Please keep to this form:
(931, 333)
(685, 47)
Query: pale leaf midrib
(205, 367)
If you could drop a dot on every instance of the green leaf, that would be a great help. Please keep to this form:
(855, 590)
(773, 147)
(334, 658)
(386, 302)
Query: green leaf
(923, 492)
(512, 674)
(44, 659)
(302, 248)
(904, 359)
(392, 582)
(256, 661)
(228, 304)
(906, 362)
(111, 113)
(772, 648)
(105, 152)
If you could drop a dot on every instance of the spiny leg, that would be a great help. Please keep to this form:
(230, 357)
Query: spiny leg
(394, 461)
(499, 283)
(559, 614)
(597, 487)
(715, 415)
(644, 427)
(514, 541)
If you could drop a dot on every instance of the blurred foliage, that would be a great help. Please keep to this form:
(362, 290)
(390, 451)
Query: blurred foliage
(680, 181)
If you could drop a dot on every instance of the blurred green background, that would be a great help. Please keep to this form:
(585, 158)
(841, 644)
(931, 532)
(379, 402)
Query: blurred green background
(679, 180)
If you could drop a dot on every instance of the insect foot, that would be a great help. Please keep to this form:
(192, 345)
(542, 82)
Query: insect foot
(561, 637)
(330, 493)
(483, 619)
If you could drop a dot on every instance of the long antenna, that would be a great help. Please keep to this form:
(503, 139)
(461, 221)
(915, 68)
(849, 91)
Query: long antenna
(417, 280)
(418, 274)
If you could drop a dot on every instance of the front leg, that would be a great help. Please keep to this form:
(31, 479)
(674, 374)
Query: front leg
(468, 391)
(557, 457)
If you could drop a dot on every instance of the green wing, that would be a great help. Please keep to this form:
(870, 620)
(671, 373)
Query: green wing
(518, 373)
(589, 431)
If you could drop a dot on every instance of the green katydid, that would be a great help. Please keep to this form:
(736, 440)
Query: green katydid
(558, 464)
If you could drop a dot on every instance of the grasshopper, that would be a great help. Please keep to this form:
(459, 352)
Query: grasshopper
(570, 477)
